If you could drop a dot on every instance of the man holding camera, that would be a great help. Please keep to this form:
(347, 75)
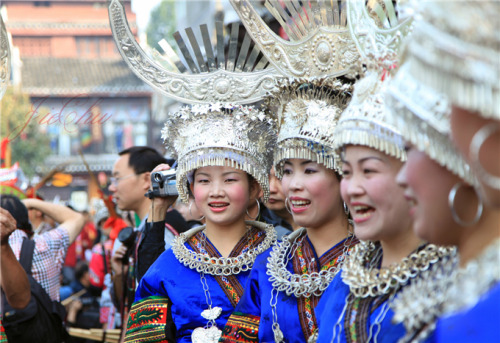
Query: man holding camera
(133, 255)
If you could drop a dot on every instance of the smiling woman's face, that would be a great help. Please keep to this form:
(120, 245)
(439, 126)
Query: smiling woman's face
(375, 200)
(313, 192)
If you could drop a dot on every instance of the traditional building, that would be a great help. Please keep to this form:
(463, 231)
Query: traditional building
(83, 94)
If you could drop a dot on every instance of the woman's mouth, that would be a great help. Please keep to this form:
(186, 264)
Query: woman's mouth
(218, 206)
(361, 213)
(299, 205)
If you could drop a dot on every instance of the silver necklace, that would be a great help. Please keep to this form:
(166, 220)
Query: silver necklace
(210, 333)
(373, 282)
(297, 284)
(226, 266)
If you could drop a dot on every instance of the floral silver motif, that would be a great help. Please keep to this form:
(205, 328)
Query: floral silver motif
(212, 313)
(203, 263)
(206, 335)
(373, 282)
(320, 43)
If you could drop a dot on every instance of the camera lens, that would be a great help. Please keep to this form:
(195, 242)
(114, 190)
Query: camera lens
(158, 177)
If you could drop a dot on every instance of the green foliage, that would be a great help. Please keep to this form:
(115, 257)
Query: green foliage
(29, 146)
(162, 24)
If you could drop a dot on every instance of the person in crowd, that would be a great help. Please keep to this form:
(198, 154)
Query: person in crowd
(50, 247)
(39, 221)
(13, 279)
(189, 212)
(131, 180)
(224, 177)
(275, 211)
(287, 281)
(451, 206)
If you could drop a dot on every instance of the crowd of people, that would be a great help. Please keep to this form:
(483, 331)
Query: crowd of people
(358, 203)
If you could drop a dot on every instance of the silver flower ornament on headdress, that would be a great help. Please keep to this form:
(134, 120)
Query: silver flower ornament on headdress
(4, 58)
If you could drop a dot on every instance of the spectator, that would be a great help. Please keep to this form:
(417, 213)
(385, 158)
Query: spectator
(131, 180)
(50, 247)
(38, 221)
(13, 278)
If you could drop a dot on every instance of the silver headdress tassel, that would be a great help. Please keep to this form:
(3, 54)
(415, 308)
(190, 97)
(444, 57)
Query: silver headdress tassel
(217, 130)
(422, 115)
(456, 50)
(365, 121)
(4, 58)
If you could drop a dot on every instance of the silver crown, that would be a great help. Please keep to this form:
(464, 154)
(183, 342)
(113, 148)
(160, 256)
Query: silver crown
(212, 135)
(308, 111)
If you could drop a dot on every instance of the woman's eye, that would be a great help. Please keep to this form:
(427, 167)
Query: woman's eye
(346, 172)
(287, 171)
(310, 171)
(202, 181)
(231, 180)
(407, 147)
(368, 171)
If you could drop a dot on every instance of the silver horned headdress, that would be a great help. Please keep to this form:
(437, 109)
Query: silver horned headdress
(422, 115)
(455, 49)
(319, 41)
(308, 111)
(217, 129)
(366, 119)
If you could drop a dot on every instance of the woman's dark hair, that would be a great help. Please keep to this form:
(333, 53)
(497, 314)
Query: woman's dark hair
(17, 209)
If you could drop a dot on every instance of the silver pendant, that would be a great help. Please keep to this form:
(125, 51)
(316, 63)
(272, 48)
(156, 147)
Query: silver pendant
(211, 313)
(206, 335)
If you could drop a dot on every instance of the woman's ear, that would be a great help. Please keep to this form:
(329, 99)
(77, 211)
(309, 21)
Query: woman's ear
(256, 191)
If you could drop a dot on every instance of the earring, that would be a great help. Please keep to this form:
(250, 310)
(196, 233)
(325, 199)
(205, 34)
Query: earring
(287, 206)
(475, 146)
(346, 209)
(258, 211)
(451, 203)
(199, 220)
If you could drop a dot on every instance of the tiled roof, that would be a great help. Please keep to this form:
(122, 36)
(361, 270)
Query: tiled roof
(74, 164)
(76, 76)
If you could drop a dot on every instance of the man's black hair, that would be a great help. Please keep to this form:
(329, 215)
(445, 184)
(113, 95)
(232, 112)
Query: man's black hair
(17, 209)
(144, 159)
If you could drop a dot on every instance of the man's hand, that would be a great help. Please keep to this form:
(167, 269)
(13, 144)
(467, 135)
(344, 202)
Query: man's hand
(117, 260)
(7, 226)
(159, 206)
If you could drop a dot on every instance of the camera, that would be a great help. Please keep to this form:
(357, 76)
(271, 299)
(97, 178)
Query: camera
(127, 238)
(163, 184)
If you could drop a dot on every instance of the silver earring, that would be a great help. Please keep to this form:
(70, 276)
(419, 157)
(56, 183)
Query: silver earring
(475, 146)
(199, 220)
(258, 211)
(451, 204)
(346, 209)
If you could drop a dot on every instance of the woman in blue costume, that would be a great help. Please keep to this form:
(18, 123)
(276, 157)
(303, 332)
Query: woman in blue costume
(457, 55)
(287, 281)
(356, 308)
(192, 288)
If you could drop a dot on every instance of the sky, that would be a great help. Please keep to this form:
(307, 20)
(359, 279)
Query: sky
(142, 8)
